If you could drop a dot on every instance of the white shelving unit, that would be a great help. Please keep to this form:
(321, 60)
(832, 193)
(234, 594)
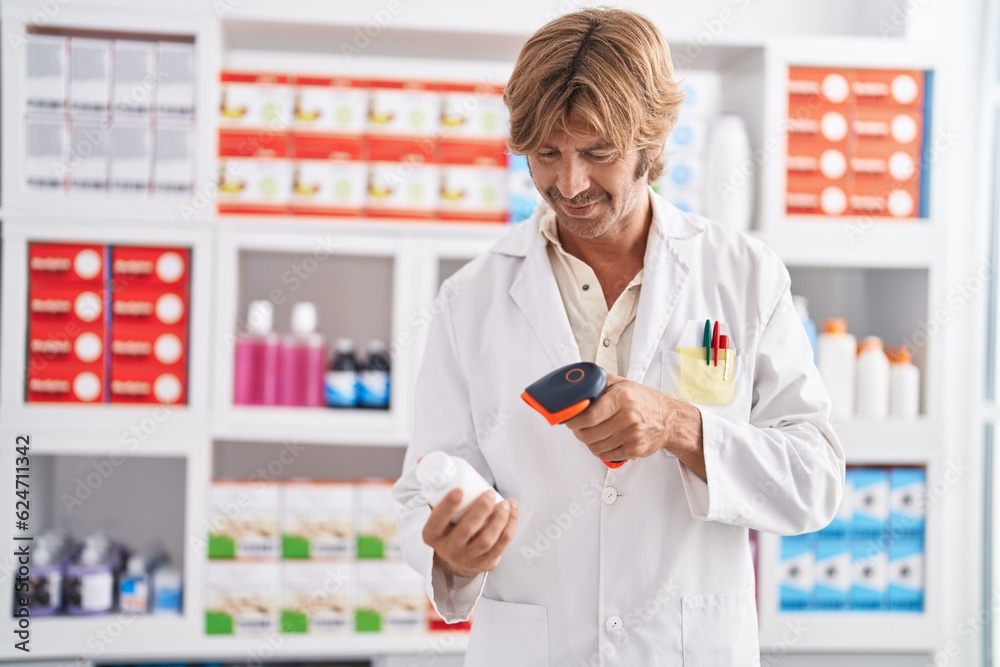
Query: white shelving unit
(289, 37)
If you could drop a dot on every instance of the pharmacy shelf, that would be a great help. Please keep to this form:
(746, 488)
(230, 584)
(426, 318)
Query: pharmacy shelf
(124, 637)
(890, 442)
(854, 242)
(151, 432)
(284, 225)
(315, 426)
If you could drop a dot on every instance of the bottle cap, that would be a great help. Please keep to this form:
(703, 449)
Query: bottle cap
(435, 470)
(801, 306)
(304, 318)
(376, 346)
(167, 576)
(835, 325)
(904, 355)
(344, 345)
(260, 317)
(136, 565)
(870, 343)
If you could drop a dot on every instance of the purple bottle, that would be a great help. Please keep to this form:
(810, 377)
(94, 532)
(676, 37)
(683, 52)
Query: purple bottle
(90, 579)
(256, 372)
(303, 359)
(48, 569)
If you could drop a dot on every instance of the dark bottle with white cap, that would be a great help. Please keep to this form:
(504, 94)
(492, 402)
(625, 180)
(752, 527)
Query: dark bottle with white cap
(341, 380)
(373, 384)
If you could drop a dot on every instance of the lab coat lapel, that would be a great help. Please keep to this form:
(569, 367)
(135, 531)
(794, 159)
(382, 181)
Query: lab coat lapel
(664, 274)
(536, 293)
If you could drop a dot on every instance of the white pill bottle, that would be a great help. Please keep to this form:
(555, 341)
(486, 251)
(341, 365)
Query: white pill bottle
(438, 473)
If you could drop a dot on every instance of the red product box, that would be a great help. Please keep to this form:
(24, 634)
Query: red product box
(819, 85)
(160, 309)
(133, 266)
(889, 128)
(816, 195)
(148, 365)
(65, 363)
(310, 146)
(146, 383)
(882, 197)
(66, 262)
(253, 143)
(896, 88)
(55, 305)
(820, 122)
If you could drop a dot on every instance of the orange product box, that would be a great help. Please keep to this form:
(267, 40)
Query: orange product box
(810, 85)
(473, 111)
(332, 179)
(816, 195)
(403, 108)
(333, 105)
(141, 266)
(889, 87)
(813, 156)
(473, 181)
(403, 181)
(820, 122)
(66, 263)
(894, 165)
(159, 308)
(57, 305)
(262, 143)
(889, 127)
(256, 99)
(254, 186)
(885, 198)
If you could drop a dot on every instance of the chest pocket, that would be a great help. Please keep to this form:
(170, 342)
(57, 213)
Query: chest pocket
(721, 390)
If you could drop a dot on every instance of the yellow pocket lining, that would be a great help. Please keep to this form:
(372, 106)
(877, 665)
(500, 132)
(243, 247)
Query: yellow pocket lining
(703, 383)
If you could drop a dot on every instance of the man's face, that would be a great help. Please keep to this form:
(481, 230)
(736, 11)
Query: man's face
(587, 182)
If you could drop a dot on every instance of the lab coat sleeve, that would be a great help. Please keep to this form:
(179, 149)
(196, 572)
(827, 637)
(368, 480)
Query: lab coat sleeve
(784, 471)
(443, 422)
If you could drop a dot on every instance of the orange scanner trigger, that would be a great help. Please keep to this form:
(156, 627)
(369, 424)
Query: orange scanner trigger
(559, 417)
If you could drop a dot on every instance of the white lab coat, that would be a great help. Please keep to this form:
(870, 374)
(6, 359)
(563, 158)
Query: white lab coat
(647, 564)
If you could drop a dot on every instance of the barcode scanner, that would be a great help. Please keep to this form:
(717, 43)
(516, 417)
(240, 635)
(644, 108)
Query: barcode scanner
(566, 392)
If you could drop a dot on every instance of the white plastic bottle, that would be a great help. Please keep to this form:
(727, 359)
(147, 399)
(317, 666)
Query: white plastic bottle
(728, 148)
(837, 362)
(873, 379)
(439, 473)
(904, 391)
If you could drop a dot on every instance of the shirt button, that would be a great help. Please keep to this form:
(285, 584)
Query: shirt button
(613, 623)
(586, 287)
(609, 495)
(607, 342)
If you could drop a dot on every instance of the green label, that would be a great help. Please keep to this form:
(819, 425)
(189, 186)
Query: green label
(294, 622)
(370, 547)
(293, 546)
(217, 623)
(366, 620)
(220, 546)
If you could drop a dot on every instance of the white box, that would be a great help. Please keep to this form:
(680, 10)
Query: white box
(474, 114)
(255, 184)
(406, 112)
(89, 76)
(173, 158)
(175, 82)
(241, 598)
(243, 520)
(46, 83)
(318, 598)
(474, 191)
(47, 150)
(131, 157)
(391, 598)
(134, 78)
(702, 93)
(404, 188)
(89, 154)
(376, 522)
(330, 186)
(324, 106)
(262, 101)
(685, 171)
(689, 135)
(317, 520)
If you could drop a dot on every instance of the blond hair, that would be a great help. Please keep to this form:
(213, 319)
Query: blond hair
(609, 67)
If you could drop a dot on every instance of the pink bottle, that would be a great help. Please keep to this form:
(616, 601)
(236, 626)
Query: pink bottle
(303, 359)
(256, 373)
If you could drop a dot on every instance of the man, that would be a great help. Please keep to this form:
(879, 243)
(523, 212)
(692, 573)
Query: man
(647, 564)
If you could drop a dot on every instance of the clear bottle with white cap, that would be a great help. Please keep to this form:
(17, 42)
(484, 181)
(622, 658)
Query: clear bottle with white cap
(303, 358)
(438, 474)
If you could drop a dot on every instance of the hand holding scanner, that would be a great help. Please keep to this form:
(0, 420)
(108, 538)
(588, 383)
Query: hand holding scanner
(566, 392)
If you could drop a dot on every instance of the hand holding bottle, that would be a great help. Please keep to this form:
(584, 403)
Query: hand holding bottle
(475, 543)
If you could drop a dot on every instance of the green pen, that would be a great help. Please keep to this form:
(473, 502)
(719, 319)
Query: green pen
(708, 342)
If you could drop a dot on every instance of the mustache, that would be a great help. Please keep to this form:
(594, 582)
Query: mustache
(584, 199)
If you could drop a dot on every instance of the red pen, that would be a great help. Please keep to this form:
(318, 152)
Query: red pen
(724, 344)
(715, 342)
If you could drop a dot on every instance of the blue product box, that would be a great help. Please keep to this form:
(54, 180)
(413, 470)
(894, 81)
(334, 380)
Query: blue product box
(522, 196)
(833, 575)
(840, 527)
(906, 576)
(908, 503)
(870, 500)
(797, 573)
(870, 584)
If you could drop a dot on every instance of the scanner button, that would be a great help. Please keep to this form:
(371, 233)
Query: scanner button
(609, 495)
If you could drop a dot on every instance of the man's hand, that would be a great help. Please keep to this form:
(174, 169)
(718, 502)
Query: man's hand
(632, 421)
(475, 543)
